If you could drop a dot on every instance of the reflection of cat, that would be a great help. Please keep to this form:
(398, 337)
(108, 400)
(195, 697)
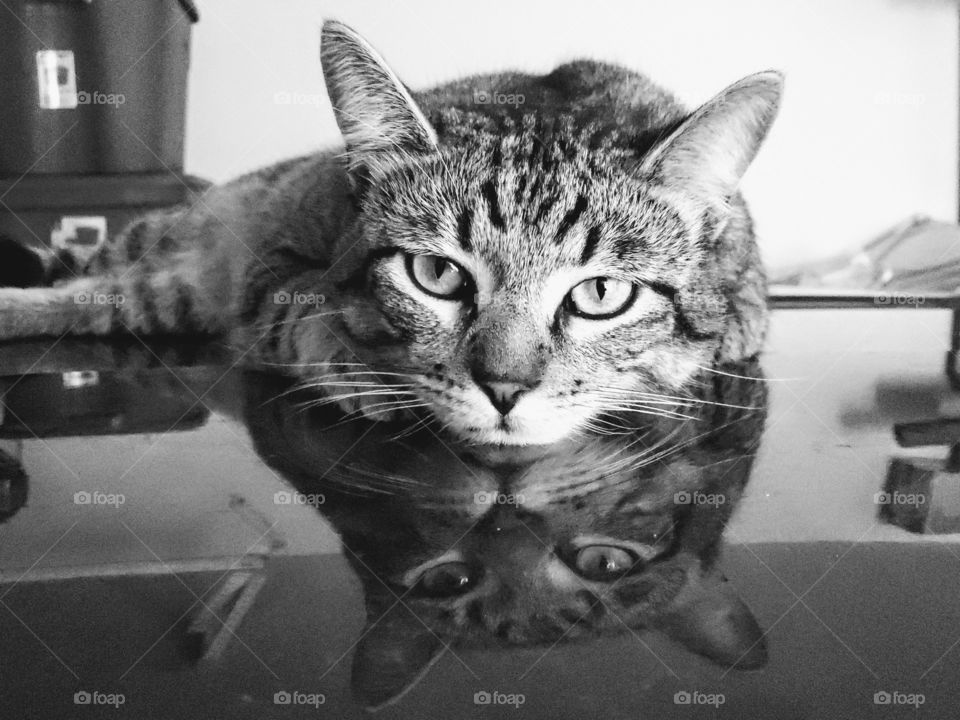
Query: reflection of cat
(511, 546)
(512, 269)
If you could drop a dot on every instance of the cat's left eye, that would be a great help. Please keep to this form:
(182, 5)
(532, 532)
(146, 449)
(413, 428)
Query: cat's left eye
(601, 297)
(437, 276)
(603, 562)
(446, 580)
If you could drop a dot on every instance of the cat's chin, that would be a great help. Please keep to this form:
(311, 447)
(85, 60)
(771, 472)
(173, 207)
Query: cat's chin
(513, 437)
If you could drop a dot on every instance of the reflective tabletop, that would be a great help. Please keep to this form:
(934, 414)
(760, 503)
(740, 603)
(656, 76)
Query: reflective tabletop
(180, 537)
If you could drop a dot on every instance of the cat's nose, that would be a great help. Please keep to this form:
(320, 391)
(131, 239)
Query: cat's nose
(503, 395)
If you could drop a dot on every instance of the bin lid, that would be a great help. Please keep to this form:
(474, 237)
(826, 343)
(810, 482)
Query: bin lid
(189, 7)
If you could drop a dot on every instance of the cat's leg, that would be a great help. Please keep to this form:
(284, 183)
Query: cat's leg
(166, 273)
(86, 306)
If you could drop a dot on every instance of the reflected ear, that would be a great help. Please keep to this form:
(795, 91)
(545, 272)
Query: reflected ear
(393, 655)
(376, 113)
(709, 152)
(708, 618)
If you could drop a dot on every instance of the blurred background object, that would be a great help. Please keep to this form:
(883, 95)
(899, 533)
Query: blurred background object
(92, 125)
(93, 87)
(14, 482)
(919, 254)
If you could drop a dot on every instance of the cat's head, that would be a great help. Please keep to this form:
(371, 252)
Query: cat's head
(556, 563)
(524, 272)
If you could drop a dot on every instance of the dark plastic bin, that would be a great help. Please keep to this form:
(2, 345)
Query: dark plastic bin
(93, 86)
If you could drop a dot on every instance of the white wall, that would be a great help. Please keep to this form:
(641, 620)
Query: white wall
(867, 135)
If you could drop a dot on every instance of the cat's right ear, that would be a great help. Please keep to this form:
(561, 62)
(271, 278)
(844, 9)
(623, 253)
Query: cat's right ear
(395, 651)
(378, 117)
(707, 155)
(710, 619)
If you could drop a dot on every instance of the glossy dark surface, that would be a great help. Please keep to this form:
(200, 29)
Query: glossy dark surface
(850, 605)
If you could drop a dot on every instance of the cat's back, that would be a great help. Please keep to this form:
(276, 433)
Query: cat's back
(603, 95)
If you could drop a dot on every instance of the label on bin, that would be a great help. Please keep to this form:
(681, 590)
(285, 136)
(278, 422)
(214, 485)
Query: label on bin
(56, 79)
(82, 235)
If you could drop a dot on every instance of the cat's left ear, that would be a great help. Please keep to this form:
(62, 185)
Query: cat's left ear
(707, 155)
(709, 618)
(376, 113)
(394, 653)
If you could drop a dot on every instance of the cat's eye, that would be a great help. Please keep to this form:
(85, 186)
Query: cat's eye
(446, 580)
(437, 276)
(604, 562)
(601, 297)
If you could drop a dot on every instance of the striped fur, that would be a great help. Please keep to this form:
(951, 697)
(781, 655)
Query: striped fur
(598, 173)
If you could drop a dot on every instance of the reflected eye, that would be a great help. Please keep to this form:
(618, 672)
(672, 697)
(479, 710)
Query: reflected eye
(436, 275)
(603, 562)
(446, 580)
(602, 297)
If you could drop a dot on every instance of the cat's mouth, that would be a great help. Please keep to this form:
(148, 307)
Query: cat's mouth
(512, 430)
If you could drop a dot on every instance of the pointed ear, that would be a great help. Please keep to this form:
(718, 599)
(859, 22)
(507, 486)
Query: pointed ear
(374, 110)
(709, 152)
(392, 656)
(708, 618)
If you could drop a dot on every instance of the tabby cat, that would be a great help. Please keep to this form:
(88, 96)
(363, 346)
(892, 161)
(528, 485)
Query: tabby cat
(465, 547)
(512, 270)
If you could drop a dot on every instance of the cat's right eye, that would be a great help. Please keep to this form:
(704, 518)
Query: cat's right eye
(604, 562)
(437, 276)
(445, 580)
